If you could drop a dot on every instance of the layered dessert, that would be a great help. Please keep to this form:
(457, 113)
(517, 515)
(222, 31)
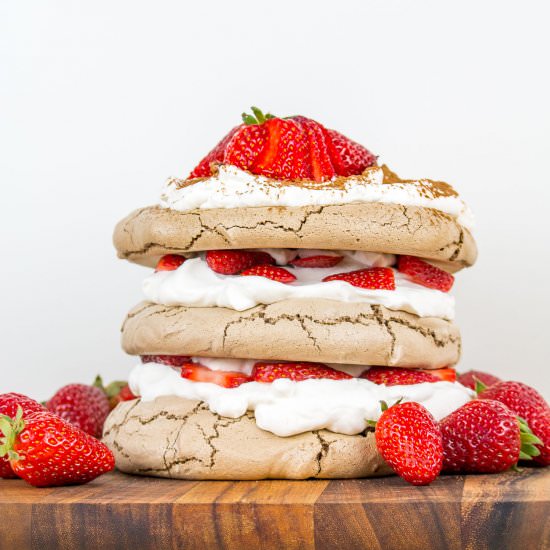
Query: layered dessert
(297, 285)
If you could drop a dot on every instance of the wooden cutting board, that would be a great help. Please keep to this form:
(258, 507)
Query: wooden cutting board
(510, 510)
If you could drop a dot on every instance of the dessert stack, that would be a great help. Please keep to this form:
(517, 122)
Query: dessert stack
(298, 288)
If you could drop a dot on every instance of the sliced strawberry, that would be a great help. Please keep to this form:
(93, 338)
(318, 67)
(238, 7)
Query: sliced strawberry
(170, 360)
(204, 168)
(348, 157)
(376, 278)
(321, 165)
(267, 372)
(200, 373)
(286, 153)
(231, 262)
(246, 145)
(321, 260)
(425, 274)
(170, 262)
(273, 272)
(446, 374)
(287, 148)
(397, 376)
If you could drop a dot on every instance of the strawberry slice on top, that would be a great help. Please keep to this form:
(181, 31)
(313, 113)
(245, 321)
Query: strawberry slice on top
(397, 376)
(231, 262)
(170, 262)
(268, 372)
(292, 148)
(273, 272)
(169, 360)
(374, 278)
(199, 373)
(320, 260)
(425, 274)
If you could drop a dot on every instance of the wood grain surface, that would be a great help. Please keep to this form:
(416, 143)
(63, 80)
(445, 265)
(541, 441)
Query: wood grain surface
(506, 511)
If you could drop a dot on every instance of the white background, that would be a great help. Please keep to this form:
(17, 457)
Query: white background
(101, 101)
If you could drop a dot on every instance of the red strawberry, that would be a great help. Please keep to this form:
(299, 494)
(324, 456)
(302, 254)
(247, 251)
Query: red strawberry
(446, 374)
(321, 260)
(231, 262)
(469, 378)
(267, 372)
(126, 394)
(409, 440)
(425, 274)
(396, 376)
(169, 262)
(9, 402)
(377, 278)
(287, 148)
(285, 154)
(273, 272)
(170, 360)
(46, 451)
(200, 373)
(348, 157)
(482, 436)
(529, 405)
(83, 406)
(321, 164)
(117, 392)
(204, 168)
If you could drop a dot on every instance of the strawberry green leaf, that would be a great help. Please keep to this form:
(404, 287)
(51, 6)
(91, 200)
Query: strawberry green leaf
(10, 427)
(479, 386)
(258, 114)
(528, 441)
(248, 119)
(258, 118)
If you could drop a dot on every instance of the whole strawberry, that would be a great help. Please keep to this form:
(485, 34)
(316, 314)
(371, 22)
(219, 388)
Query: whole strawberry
(9, 403)
(46, 451)
(84, 406)
(483, 436)
(409, 440)
(469, 378)
(528, 404)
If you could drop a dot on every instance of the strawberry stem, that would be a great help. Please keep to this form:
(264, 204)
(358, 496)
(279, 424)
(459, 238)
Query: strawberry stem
(11, 428)
(257, 118)
(528, 441)
(479, 386)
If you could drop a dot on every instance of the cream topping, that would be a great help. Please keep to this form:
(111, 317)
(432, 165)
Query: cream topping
(232, 187)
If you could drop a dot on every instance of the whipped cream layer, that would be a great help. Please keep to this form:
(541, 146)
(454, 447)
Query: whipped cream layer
(194, 284)
(232, 187)
(287, 408)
